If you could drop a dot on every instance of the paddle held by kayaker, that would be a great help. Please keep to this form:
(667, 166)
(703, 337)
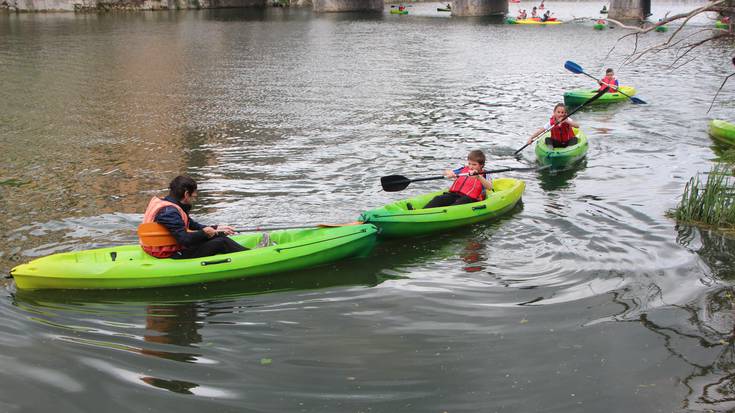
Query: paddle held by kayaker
(469, 184)
(193, 240)
(562, 134)
(609, 81)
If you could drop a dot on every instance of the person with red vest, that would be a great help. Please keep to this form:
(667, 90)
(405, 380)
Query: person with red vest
(609, 81)
(193, 240)
(562, 134)
(469, 184)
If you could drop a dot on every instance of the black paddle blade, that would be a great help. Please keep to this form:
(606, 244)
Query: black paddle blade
(637, 101)
(394, 183)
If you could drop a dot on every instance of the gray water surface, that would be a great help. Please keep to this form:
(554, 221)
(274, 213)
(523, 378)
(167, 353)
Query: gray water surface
(585, 298)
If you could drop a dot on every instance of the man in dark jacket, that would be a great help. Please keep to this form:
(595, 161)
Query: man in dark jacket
(193, 239)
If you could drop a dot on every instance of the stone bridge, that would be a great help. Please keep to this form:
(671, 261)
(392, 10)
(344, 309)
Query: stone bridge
(619, 9)
(459, 7)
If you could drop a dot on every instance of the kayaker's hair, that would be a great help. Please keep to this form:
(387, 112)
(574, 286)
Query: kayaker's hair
(608, 70)
(180, 185)
(560, 105)
(476, 156)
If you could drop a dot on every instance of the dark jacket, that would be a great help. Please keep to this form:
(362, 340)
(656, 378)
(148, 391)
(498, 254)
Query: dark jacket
(170, 218)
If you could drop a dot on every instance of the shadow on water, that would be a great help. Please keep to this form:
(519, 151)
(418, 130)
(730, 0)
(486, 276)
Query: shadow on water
(553, 179)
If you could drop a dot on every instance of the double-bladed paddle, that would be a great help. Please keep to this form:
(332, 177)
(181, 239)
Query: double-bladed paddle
(577, 69)
(590, 100)
(395, 183)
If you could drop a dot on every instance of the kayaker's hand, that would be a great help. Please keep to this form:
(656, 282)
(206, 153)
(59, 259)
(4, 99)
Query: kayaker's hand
(449, 174)
(209, 231)
(226, 229)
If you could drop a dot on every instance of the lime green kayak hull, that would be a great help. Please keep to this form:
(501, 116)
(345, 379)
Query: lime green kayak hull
(662, 29)
(560, 158)
(575, 98)
(722, 131)
(720, 25)
(397, 220)
(128, 266)
(396, 11)
(599, 26)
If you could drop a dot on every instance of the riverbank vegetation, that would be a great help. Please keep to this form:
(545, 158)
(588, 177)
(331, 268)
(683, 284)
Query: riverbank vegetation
(709, 200)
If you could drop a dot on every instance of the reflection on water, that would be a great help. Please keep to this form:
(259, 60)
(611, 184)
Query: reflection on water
(555, 179)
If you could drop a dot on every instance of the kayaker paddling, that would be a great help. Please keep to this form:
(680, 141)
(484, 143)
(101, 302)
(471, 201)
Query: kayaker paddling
(562, 134)
(466, 188)
(193, 240)
(609, 81)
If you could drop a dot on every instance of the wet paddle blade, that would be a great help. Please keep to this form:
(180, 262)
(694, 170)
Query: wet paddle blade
(573, 67)
(394, 183)
(637, 100)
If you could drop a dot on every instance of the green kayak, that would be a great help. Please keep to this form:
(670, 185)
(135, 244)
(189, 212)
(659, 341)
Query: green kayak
(129, 267)
(576, 98)
(406, 218)
(662, 29)
(720, 25)
(443, 9)
(599, 26)
(561, 157)
(722, 131)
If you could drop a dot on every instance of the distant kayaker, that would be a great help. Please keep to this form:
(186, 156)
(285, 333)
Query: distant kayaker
(193, 240)
(534, 14)
(609, 81)
(546, 16)
(562, 134)
(541, 6)
(465, 189)
(522, 15)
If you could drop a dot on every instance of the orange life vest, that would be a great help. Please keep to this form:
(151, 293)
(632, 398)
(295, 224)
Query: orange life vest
(155, 205)
(468, 185)
(561, 133)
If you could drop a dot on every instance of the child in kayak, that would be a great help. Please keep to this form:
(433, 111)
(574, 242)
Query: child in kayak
(562, 134)
(546, 16)
(193, 240)
(468, 188)
(609, 81)
(533, 12)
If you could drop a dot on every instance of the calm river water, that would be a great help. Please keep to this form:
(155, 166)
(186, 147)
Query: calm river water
(586, 298)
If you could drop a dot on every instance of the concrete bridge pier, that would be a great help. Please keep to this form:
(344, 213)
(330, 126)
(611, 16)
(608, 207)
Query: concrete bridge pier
(348, 5)
(629, 9)
(479, 7)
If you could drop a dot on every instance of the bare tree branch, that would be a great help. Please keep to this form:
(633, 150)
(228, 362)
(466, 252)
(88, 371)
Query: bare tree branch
(718, 91)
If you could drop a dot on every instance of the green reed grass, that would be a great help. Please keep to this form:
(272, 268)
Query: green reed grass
(710, 200)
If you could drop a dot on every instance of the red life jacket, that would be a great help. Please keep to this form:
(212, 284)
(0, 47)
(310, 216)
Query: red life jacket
(609, 83)
(155, 205)
(561, 133)
(468, 185)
